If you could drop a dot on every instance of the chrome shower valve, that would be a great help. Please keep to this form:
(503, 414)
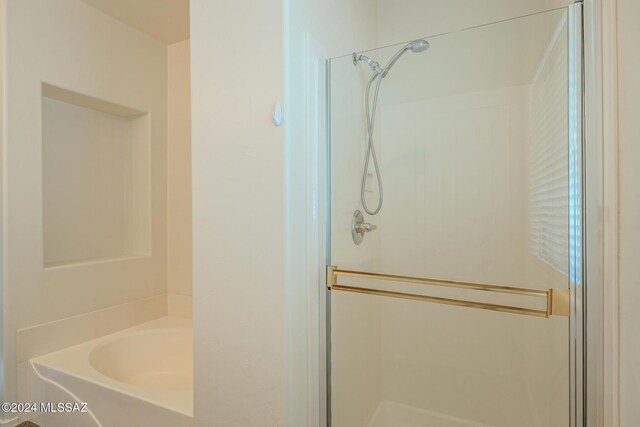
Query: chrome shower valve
(359, 227)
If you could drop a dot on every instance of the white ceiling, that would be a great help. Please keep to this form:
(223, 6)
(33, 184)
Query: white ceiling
(166, 20)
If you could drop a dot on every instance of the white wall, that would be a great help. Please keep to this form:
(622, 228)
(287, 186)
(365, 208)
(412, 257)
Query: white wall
(64, 43)
(629, 137)
(233, 143)
(410, 19)
(179, 170)
(316, 31)
(238, 213)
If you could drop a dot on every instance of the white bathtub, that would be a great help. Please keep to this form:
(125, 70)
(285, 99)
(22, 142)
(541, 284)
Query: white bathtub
(142, 376)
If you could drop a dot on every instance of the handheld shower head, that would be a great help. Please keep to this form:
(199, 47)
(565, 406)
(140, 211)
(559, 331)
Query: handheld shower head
(418, 46)
(415, 46)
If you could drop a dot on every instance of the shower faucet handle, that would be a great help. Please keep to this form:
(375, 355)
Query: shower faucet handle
(359, 227)
(365, 227)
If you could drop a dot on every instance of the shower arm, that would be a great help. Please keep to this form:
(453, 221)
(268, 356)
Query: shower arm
(374, 65)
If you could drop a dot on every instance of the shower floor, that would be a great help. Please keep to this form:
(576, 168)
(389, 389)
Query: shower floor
(394, 414)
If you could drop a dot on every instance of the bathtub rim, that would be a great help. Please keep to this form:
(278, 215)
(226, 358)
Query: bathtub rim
(74, 361)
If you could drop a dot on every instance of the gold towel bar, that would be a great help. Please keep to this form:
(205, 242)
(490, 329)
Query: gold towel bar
(557, 299)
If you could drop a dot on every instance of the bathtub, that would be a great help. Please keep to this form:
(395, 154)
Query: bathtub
(142, 376)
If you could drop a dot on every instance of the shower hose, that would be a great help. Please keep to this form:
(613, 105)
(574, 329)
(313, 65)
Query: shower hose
(371, 151)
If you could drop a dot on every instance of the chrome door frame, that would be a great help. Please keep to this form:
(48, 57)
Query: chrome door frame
(577, 210)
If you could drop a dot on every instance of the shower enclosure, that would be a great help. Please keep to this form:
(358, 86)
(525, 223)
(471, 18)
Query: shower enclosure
(459, 301)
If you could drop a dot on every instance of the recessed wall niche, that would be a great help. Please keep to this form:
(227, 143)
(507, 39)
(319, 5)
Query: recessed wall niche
(96, 179)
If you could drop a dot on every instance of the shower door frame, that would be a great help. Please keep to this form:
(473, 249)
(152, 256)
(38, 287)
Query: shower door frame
(577, 215)
(586, 239)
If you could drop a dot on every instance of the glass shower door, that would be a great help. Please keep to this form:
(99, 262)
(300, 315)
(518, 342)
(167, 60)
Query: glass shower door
(451, 305)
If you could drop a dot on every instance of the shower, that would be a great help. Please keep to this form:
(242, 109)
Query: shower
(379, 73)
(480, 140)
